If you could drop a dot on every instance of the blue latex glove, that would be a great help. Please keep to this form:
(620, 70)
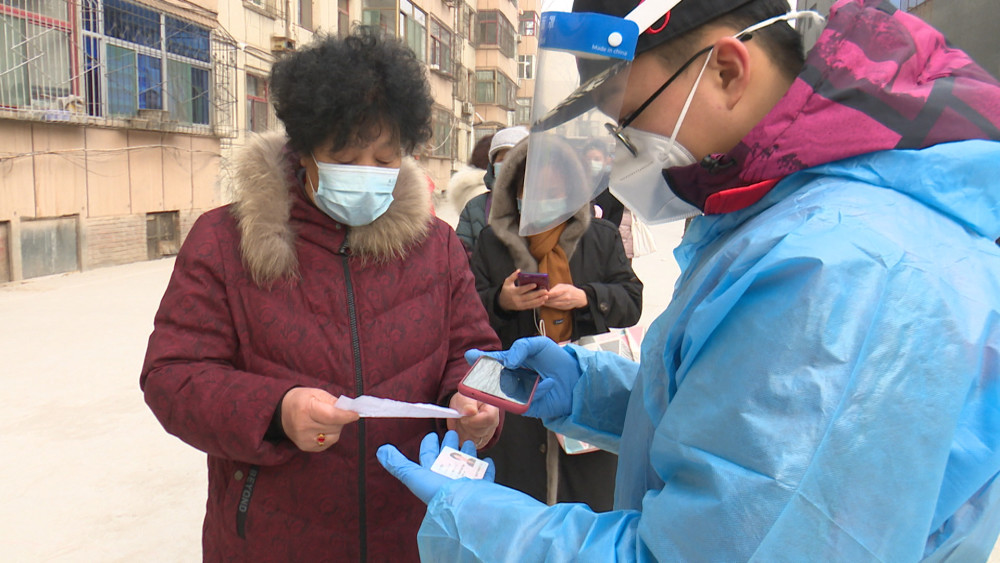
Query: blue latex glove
(419, 478)
(559, 370)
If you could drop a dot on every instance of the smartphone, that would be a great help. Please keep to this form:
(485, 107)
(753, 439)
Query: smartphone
(541, 281)
(509, 389)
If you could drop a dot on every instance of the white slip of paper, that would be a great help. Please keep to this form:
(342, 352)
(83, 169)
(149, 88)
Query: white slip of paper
(376, 407)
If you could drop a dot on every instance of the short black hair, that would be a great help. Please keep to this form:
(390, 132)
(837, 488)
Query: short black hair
(780, 41)
(480, 154)
(346, 89)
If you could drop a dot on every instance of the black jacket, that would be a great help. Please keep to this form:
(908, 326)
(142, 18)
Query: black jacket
(599, 267)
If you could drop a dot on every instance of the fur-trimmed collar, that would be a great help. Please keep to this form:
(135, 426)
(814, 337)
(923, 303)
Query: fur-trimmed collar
(505, 219)
(265, 173)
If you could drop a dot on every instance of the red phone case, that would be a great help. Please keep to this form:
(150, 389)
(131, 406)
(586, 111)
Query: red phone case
(493, 399)
(541, 281)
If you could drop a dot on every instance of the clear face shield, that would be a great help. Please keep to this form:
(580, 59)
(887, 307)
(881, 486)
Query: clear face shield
(577, 53)
(583, 68)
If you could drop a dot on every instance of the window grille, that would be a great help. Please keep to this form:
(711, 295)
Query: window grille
(112, 62)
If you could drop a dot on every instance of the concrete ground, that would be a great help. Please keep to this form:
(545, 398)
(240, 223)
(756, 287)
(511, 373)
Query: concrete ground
(89, 473)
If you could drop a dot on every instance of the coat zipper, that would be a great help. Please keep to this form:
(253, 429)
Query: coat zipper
(359, 389)
(243, 509)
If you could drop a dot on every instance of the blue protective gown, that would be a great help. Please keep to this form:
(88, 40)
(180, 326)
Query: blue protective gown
(823, 386)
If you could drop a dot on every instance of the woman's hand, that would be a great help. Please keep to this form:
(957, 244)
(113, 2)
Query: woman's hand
(520, 298)
(478, 423)
(310, 420)
(566, 297)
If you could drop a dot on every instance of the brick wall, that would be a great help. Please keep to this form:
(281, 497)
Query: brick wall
(187, 219)
(108, 241)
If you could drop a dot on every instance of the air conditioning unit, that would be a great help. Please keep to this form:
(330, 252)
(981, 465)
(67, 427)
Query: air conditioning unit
(468, 108)
(282, 44)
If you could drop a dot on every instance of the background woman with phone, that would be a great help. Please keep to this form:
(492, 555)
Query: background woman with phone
(591, 287)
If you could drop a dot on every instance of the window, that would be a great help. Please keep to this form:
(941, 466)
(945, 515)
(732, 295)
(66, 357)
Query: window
(413, 28)
(343, 18)
(440, 47)
(528, 23)
(37, 61)
(494, 29)
(306, 14)
(443, 139)
(270, 8)
(378, 13)
(466, 15)
(258, 108)
(526, 67)
(149, 60)
(522, 115)
(162, 234)
(492, 87)
(480, 133)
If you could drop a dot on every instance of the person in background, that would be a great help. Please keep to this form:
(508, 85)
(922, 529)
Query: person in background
(599, 162)
(607, 206)
(468, 182)
(591, 288)
(825, 382)
(327, 277)
(476, 212)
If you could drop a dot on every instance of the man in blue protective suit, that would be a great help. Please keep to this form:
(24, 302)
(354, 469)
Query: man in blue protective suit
(825, 383)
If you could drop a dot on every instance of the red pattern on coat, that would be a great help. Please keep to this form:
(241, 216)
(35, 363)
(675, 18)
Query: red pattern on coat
(224, 351)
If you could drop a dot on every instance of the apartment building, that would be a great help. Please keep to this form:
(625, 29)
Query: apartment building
(496, 65)
(527, 60)
(111, 115)
(116, 116)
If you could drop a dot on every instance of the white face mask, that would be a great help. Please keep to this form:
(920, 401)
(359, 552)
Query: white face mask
(596, 167)
(639, 182)
(354, 195)
(633, 177)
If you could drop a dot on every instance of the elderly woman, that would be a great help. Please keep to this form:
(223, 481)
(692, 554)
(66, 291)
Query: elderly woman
(328, 276)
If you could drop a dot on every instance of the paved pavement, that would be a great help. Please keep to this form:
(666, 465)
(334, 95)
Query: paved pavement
(89, 474)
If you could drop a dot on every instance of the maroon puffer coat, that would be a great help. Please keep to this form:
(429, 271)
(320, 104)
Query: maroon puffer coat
(269, 294)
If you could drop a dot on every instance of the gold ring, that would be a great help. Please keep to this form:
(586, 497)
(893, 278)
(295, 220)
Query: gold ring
(320, 439)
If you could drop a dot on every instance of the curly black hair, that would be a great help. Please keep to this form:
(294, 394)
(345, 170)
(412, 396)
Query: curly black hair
(346, 89)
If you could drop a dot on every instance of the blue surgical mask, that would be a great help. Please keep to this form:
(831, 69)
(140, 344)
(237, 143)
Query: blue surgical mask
(354, 195)
(496, 168)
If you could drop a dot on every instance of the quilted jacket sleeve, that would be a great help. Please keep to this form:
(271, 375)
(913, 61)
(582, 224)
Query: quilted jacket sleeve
(470, 327)
(188, 377)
